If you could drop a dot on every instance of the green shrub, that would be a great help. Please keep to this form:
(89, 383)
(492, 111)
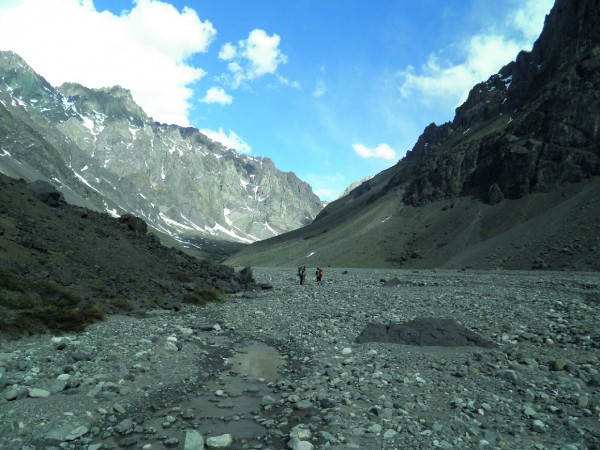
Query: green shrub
(122, 304)
(203, 297)
(9, 280)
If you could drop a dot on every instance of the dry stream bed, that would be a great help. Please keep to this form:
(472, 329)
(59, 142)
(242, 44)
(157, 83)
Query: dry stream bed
(282, 369)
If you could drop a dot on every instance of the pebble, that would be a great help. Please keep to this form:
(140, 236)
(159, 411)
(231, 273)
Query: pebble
(38, 393)
(193, 440)
(221, 441)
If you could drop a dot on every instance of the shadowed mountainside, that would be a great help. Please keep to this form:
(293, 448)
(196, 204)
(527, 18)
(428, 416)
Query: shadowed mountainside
(511, 182)
(63, 267)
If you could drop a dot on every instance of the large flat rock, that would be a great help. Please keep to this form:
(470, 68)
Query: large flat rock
(424, 332)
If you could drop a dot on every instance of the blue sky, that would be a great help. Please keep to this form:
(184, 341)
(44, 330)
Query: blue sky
(333, 90)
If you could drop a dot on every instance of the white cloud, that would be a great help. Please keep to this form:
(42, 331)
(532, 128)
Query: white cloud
(145, 49)
(383, 151)
(325, 194)
(529, 18)
(227, 52)
(326, 187)
(217, 95)
(293, 84)
(254, 57)
(320, 89)
(483, 55)
(231, 140)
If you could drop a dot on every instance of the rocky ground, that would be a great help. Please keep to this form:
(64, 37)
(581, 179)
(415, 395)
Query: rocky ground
(282, 369)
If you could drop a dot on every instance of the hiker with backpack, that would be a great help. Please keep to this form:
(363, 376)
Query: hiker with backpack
(319, 275)
(302, 273)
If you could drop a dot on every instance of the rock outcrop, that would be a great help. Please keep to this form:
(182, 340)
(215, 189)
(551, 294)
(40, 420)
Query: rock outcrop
(532, 126)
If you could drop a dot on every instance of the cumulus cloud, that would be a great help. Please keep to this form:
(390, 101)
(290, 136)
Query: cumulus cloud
(483, 55)
(231, 140)
(383, 151)
(145, 49)
(217, 95)
(254, 57)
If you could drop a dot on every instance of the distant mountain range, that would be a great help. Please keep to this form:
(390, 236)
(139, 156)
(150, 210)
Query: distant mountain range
(512, 182)
(103, 152)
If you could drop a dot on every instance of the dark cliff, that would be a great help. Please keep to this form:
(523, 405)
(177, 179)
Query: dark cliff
(528, 128)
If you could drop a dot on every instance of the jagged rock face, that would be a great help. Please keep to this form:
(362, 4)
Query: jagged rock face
(533, 125)
(178, 180)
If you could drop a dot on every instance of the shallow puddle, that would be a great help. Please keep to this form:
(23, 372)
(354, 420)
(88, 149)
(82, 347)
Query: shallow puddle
(228, 404)
(257, 360)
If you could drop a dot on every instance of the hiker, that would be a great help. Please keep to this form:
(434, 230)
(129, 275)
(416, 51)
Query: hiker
(302, 273)
(319, 275)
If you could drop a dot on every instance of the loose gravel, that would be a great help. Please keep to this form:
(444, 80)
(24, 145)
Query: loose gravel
(282, 369)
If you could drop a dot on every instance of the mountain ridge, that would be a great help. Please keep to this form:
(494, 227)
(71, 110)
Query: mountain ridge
(100, 143)
(524, 142)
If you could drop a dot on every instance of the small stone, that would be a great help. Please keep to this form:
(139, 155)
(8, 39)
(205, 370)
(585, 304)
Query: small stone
(11, 394)
(346, 351)
(222, 441)
(185, 331)
(559, 365)
(297, 444)
(188, 414)
(583, 401)
(303, 404)
(124, 426)
(375, 428)
(193, 441)
(76, 433)
(267, 400)
(118, 408)
(538, 426)
(170, 346)
(530, 412)
(38, 393)
(301, 432)
(128, 442)
(389, 434)
(171, 441)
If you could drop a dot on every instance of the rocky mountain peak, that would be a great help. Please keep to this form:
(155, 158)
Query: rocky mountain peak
(99, 143)
(529, 127)
(112, 103)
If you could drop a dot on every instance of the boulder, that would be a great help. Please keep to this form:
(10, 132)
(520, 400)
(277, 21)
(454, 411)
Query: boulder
(424, 332)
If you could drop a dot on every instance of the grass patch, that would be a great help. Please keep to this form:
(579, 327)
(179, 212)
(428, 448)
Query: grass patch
(203, 297)
(122, 304)
(39, 306)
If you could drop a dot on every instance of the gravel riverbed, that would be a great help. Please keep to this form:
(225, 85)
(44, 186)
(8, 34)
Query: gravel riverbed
(282, 369)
